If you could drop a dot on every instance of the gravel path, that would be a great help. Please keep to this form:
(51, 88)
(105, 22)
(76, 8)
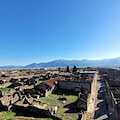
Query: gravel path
(101, 106)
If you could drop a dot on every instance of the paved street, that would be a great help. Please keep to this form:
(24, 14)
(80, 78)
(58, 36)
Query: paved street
(101, 106)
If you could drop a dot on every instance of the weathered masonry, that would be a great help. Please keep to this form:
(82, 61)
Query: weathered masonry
(71, 85)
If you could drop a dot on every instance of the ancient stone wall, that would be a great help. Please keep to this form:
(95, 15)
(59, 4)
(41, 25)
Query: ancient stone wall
(49, 91)
(70, 85)
(112, 99)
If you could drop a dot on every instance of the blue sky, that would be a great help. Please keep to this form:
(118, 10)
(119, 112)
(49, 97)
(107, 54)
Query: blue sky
(46, 30)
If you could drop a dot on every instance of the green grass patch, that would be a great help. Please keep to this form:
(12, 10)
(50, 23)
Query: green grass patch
(52, 100)
(41, 104)
(7, 73)
(48, 119)
(9, 115)
(5, 89)
(22, 73)
(6, 115)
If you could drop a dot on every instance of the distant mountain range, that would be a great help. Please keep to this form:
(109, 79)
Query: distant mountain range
(113, 62)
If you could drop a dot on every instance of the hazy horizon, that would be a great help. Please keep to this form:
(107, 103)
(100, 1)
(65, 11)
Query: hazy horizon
(54, 60)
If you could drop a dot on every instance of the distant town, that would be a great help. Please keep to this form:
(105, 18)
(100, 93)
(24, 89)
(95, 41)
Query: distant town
(61, 93)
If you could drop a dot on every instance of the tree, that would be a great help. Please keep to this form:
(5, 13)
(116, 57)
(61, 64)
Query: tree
(74, 69)
(59, 68)
(67, 70)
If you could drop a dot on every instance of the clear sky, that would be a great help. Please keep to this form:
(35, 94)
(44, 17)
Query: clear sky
(46, 30)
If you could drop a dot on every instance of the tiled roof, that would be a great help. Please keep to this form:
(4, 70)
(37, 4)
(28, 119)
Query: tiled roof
(89, 79)
(51, 82)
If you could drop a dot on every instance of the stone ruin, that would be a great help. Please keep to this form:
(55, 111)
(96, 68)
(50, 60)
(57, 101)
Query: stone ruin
(27, 90)
(23, 94)
(112, 82)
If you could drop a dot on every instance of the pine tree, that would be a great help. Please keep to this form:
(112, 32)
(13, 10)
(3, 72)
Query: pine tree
(74, 69)
(59, 68)
(67, 70)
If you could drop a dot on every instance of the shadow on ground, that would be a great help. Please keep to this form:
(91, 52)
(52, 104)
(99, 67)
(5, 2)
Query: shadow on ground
(71, 108)
(64, 92)
(31, 111)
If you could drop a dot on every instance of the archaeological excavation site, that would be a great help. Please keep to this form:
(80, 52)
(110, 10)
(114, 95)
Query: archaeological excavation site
(60, 94)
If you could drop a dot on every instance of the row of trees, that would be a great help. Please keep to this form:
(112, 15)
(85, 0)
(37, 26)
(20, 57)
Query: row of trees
(74, 69)
(68, 69)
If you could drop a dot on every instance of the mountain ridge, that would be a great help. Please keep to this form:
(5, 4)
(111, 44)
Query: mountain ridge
(112, 62)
